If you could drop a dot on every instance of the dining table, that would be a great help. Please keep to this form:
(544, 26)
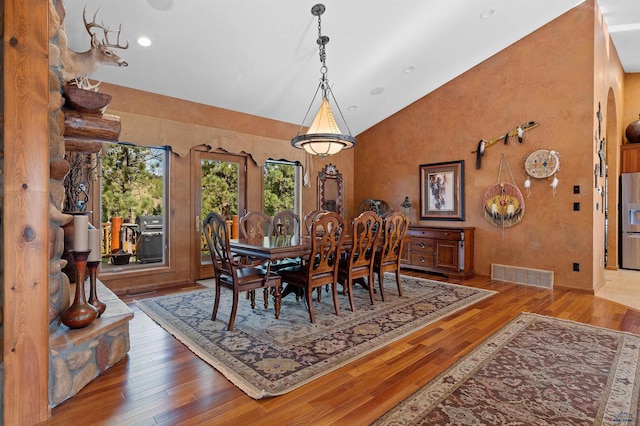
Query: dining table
(281, 247)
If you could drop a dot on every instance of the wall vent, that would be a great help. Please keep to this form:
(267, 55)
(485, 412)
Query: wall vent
(520, 275)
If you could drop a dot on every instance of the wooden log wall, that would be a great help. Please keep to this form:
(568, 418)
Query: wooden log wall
(26, 211)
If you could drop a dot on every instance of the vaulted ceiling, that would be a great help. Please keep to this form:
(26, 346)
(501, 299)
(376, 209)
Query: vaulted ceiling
(261, 57)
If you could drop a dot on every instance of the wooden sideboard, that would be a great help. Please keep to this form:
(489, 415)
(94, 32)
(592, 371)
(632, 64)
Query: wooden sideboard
(444, 250)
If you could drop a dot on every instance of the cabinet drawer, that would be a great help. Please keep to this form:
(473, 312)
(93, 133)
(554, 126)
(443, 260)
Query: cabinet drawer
(422, 259)
(439, 234)
(419, 245)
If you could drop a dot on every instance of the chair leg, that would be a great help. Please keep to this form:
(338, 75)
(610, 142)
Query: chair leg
(234, 308)
(216, 303)
(319, 291)
(266, 297)
(253, 299)
(370, 287)
(381, 280)
(398, 282)
(348, 288)
(308, 294)
(336, 305)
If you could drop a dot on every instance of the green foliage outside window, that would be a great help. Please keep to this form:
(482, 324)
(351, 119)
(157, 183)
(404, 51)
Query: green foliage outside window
(132, 182)
(279, 187)
(219, 188)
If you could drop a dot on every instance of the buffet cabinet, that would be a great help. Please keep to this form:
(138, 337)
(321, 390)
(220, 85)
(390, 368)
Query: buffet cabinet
(443, 250)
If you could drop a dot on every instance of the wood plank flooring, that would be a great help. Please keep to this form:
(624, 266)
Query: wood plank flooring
(160, 382)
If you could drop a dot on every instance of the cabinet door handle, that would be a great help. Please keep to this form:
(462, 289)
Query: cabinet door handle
(421, 259)
(422, 245)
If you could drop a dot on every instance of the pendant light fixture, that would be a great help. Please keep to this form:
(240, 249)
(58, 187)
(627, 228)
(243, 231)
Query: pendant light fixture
(323, 138)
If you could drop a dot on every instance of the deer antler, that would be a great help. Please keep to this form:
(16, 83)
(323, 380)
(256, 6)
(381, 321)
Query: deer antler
(93, 24)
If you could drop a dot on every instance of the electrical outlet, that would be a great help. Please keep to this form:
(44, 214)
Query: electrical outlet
(576, 267)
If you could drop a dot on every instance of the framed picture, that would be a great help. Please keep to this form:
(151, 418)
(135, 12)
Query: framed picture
(442, 191)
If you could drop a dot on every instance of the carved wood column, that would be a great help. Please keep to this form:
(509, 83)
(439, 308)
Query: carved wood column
(26, 211)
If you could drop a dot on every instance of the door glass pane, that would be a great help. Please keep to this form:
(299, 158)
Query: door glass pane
(132, 206)
(280, 187)
(220, 193)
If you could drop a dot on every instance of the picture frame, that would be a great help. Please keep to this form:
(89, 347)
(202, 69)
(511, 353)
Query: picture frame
(442, 191)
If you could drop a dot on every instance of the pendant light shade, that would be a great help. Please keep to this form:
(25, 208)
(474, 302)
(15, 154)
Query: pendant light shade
(324, 137)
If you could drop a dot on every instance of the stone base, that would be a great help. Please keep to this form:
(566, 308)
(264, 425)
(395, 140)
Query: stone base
(77, 356)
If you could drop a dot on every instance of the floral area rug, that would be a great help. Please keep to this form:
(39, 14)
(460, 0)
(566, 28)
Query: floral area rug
(535, 371)
(268, 357)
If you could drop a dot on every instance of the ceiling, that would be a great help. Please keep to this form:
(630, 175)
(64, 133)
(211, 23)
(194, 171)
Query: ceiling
(260, 57)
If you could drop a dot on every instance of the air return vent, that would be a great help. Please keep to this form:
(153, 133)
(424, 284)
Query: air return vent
(519, 275)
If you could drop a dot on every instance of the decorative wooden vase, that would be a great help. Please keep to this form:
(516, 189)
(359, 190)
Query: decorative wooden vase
(633, 131)
(93, 294)
(80, 313)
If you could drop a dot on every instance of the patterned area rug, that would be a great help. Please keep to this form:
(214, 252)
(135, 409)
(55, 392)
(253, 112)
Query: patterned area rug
(535, 371)
(268, 357)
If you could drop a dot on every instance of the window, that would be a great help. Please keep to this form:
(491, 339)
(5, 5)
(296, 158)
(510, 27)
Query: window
(282, 187)
(133, 204)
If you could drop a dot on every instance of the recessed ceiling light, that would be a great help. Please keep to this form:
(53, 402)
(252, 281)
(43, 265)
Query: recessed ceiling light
(409, 69)
(487, 14)
(377, 91)
(353, 107)
(144, 41)
(161, 4)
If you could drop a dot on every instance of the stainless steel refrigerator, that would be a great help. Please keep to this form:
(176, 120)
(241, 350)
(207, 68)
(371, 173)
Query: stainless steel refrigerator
(630, 215)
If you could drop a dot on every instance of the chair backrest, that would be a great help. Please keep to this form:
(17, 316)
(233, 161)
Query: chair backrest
(256, 225)
(310, 217)
(327, 232)
(216, 232)
(366, 229)
(286, 224)
(394, 225)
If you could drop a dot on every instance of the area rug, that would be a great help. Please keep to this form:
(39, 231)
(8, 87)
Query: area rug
(535, 371)
(268, 357)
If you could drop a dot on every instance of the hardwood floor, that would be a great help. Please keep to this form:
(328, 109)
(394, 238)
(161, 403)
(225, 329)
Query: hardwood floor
(160, 382)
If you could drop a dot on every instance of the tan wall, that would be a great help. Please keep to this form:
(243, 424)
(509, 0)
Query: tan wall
(631, 101)
(147, 117)
(547, 77)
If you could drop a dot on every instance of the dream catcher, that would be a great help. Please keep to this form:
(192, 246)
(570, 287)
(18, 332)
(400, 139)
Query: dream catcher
(503, 202)
(542, 164)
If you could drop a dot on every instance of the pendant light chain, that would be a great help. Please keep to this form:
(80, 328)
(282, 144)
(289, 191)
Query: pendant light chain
(322, 42)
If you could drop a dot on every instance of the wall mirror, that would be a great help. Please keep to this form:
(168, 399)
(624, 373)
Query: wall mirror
(330, 190)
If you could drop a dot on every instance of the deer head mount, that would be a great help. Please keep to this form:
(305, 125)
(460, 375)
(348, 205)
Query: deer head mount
(78, 65)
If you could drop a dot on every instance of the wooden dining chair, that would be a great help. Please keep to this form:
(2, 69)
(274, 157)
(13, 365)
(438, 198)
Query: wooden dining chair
(310, 217)
(256, 224)
(359, 260)
(229, 273)
(321, 267)
(286, 223)
(394, 228)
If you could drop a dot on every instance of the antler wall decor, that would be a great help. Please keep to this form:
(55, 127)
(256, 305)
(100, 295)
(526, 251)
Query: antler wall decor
(78, 65)
(517, 131)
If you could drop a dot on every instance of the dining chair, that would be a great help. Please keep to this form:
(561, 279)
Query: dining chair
(359, 260)
(310, 217)
(394, 228)
(321, 267)
(286, 223)
(229, 273)
(256, 224)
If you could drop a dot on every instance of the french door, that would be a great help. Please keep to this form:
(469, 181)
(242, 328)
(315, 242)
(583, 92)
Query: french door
(219, 186)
